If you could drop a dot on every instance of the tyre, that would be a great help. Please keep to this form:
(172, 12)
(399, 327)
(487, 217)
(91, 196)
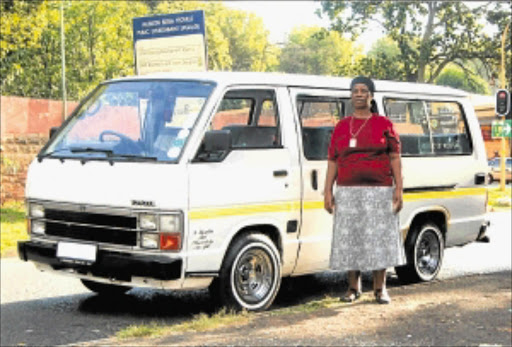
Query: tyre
(250, 275)
(424, 249)
(104, 288)
(491, 179)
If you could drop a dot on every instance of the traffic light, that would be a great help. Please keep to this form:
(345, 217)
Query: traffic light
(502, 102)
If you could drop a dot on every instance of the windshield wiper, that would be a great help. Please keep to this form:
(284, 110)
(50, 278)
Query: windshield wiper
(133, 156)
(49, 154)
(108, 152)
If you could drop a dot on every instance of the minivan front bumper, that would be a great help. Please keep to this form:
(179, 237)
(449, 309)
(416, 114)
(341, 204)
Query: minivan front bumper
(116, 265)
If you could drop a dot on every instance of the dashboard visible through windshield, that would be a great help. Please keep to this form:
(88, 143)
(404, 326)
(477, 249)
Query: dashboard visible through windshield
(136, 120)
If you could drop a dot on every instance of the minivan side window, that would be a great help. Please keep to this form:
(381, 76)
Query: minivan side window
(429, 127)
(318, 117)
(251, 116)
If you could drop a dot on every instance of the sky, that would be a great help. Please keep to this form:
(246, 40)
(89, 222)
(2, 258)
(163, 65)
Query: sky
(280, 17)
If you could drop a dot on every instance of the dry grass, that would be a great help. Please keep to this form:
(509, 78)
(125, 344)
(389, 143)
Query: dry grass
(199, 323)
(13, 227)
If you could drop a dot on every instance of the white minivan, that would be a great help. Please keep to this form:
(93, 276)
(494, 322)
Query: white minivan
(215, 180)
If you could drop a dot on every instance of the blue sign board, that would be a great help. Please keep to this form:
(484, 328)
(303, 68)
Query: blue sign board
(170, 43)
(175, 24)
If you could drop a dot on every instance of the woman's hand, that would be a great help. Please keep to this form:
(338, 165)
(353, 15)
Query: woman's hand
(328, 202)
(397, 200)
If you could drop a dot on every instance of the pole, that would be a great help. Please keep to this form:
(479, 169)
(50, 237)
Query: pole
(63, 59)
(502, 82)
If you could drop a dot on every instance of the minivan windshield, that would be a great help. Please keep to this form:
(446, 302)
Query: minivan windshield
(133, 120)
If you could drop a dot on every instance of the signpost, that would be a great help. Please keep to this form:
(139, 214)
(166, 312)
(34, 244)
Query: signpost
(169, 43)
(501, 128)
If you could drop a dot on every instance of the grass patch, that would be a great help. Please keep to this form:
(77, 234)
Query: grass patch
(199, 323)
(311, 306)
(13, 227)
(500, 201)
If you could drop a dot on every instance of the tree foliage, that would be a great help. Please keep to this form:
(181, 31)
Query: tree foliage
(98, 46)
(314, 50)
(99, 42)
(456, 77)
(383, 61)
(236, 40)
(429, 34)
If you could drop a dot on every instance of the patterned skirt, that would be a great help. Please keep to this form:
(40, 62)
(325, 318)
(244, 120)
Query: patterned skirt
(366, 232)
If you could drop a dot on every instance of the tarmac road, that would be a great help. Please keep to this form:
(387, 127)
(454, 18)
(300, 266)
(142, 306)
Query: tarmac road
(44, 309)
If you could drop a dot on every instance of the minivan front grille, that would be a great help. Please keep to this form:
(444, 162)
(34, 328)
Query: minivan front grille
(94, 227)
(88, 233)
(91, 218)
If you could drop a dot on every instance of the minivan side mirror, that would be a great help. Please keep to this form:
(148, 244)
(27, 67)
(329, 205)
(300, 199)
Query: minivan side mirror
(216, 146)
(53, 130)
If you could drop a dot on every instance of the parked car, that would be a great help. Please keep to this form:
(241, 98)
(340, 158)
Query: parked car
(215, 180)
(495, 170)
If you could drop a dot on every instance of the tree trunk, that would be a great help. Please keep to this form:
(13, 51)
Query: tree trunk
(425, 47)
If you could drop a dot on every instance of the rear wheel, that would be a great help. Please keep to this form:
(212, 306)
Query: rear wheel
(424, 249)
(104, 288)
(250, 276)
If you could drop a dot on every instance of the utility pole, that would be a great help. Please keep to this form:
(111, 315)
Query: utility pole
(503, 86)
(63, 59)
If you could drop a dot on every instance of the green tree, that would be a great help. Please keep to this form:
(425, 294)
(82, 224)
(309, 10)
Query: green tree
(99, 42)
(98, 46)
(383, 61)
(456, 77)
(236, 40)
(430, 34)
(314, 50)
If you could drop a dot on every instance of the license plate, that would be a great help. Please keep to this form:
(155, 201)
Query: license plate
(76, 252)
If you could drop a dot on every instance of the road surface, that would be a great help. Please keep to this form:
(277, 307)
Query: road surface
(44, 309)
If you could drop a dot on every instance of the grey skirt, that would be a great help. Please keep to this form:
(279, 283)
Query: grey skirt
(366, 232)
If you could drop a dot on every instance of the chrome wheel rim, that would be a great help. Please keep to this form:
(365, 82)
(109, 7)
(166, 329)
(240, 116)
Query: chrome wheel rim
(253, 276)
(428, 253)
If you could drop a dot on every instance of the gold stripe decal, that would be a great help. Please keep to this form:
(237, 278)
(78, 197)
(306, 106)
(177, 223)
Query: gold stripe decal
(217, 212)
(444, 194)
(244, 210)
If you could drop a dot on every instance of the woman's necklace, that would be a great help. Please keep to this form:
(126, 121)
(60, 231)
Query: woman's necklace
(353, 141)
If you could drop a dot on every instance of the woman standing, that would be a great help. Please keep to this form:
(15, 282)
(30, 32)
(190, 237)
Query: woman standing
(364, 159)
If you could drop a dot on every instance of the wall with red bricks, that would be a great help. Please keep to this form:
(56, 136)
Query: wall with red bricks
(24, 124)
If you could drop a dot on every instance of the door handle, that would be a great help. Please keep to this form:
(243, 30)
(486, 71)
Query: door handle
(280, 173)
(314, 180)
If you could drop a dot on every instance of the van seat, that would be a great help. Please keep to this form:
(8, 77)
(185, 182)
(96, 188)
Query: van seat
(316, 142)
(252, 136)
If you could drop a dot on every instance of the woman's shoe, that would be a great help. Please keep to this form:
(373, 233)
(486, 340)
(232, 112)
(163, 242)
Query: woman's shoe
(382, 296)
(351, 295)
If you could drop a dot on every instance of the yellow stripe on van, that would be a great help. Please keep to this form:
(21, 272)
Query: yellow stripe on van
(243, 210)
(444, 194)
(231, 211)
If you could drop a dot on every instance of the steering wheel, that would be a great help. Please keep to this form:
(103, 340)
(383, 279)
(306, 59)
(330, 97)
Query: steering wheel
(131, 145)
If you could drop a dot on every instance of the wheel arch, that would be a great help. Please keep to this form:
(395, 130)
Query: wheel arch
(265, 228)
(438, 215)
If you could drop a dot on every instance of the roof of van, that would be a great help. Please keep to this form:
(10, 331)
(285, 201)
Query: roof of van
(297, 80)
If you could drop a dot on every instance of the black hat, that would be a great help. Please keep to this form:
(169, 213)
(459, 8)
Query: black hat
(364, 80)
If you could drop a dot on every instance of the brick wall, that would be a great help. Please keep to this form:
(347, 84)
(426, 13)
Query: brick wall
(25, 124)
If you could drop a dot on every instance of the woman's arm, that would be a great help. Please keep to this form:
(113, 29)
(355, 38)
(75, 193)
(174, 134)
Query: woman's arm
(330, 176)
(396, 170)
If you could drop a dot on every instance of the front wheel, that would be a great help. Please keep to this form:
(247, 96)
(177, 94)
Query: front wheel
(104, 288)
(424, 249)
(250, 276)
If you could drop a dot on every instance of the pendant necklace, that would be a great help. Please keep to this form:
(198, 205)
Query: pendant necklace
(353, 141)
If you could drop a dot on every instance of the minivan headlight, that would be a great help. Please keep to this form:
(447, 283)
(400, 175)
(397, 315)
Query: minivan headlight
(38, 227)
(36, 211)
(170, 223)
(149, 240)
(147, 221)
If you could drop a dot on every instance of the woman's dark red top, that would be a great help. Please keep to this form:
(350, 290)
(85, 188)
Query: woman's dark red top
(368, 163)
